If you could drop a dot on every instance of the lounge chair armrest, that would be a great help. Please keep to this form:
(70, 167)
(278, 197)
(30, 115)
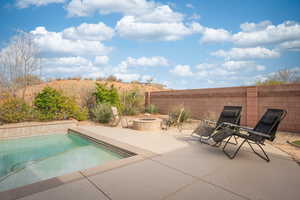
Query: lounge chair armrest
(258, 133)
(209, 121)
(245, 128)
(230, 124)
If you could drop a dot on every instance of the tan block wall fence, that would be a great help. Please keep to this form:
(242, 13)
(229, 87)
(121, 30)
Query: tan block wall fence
(208, 103)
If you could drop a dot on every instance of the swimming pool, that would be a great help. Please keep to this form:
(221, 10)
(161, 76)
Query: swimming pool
(28, 160)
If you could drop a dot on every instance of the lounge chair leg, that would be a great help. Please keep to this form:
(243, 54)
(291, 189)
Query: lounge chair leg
(234, 154)
(266, 157)
(235, 140)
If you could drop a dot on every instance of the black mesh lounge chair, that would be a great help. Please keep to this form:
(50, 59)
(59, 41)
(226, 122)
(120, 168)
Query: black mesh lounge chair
(265, 129)
(230, 114)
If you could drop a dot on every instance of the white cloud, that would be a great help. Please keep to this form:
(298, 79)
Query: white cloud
(216, 72)
(27, 3)
(182, 70)
(101, 60)
(247, 53)
(194, 17)
(130, 27)
(251, 27)
(89, 7)
(132, 77)
(266, 33)
(160, 14)
(290, 45)
(242, 65)
(146, 11)
(83, 67)
(189, 5)
(55, 43)
(127, 77)
(253, 34)
(226, 69)
(204, 66)
(67, 61)
(215, 35)
(70, 66)
(155, 61)
(91, 32)
(212, 82)
(210, 34)
(142, 20)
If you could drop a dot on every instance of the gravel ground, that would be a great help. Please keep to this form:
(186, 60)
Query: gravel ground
(281, 143)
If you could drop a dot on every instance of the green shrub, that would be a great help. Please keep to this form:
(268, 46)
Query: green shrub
(51, 104)
(102, 113)
(174, 115)
(132, 102)
(14, 110)
(81, 114)
(151, 109)
(104, 94)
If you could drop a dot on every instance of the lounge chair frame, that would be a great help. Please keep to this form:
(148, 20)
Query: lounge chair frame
(219, 124)
(251, 140)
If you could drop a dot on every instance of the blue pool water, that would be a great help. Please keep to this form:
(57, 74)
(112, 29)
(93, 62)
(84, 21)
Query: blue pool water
(28, 160)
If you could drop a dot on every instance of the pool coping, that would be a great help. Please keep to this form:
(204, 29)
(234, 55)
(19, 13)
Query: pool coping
(138, 155)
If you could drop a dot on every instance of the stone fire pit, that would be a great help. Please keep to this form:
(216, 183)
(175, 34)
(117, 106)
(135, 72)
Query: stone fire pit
(146, 124)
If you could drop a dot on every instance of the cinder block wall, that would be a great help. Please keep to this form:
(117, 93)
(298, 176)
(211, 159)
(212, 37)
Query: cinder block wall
(208, 103)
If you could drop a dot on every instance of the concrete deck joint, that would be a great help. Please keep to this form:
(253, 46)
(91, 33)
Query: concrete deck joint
(199, 179)
(96, 186)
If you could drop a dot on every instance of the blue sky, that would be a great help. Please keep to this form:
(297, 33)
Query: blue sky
(182, 44)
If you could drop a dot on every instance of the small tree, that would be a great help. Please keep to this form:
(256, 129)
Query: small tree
(104, 94)
(132, 102)
(19, 61)
(51, 104)
(282, 77)
(112, 78)
(150, 80)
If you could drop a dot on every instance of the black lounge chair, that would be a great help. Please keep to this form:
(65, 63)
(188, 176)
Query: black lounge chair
(230, 114)
(265, 129)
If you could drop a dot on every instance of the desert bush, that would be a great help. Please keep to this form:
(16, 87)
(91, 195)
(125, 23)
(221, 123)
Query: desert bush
(102, 113)
(132, 102)
(135, 82)
(151, 109)
(100, 78)
(51, 104)
(174, 114)
(104, 94)
(111, 78)
(158, 86)
(88, 79)
(81, 114)
(14, 110)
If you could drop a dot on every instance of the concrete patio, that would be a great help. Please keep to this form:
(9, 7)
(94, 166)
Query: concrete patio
(183, 169)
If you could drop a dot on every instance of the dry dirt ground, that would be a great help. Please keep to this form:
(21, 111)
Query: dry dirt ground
(281, 143)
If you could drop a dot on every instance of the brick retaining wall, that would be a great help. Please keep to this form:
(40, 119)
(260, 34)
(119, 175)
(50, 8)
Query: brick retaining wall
(26, 129)
(208, 103)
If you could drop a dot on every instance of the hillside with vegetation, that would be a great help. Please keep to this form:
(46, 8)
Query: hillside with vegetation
(81, 90)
